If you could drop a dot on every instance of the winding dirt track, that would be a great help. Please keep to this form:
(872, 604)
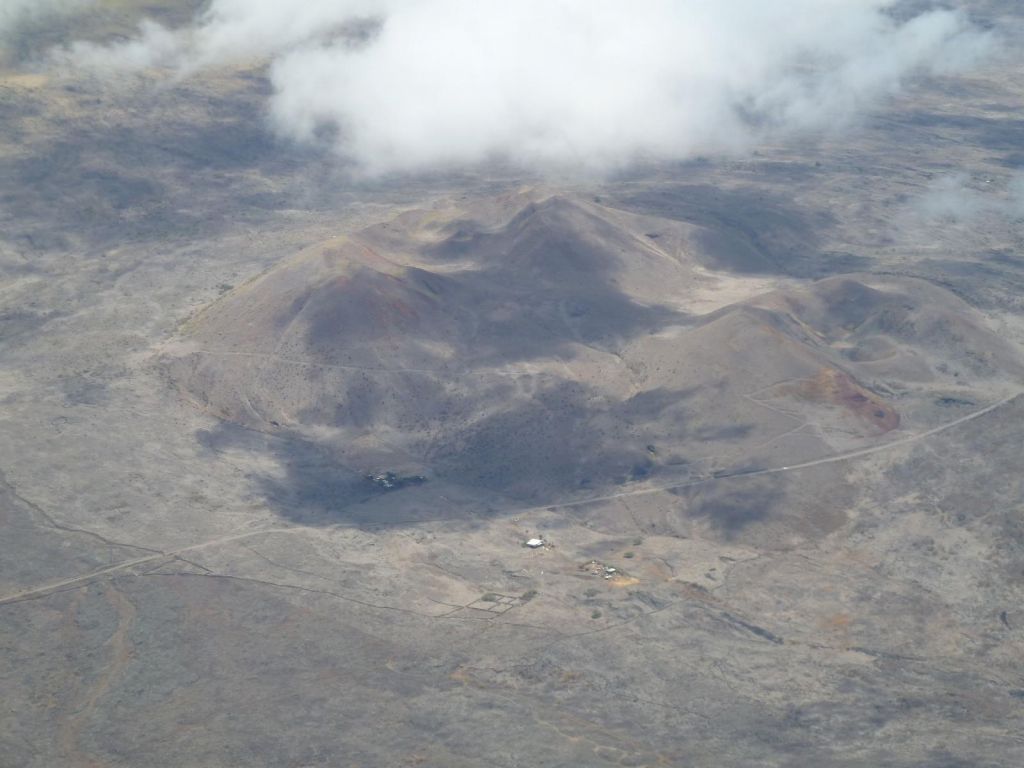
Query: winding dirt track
(57, 586)
(42, 591)
(792, 467)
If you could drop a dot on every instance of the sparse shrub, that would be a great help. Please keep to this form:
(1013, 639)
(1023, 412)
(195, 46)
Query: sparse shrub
(595, 614)
(629, 555)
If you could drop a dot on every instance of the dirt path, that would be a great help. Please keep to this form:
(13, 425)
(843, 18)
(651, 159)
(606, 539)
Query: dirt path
(46, 589)
(790, 468)
(56, 586)
(121, 652)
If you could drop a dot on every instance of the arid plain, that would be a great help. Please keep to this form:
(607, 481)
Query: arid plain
(274, 440)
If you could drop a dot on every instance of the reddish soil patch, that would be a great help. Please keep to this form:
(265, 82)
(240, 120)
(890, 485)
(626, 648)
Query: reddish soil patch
(834, 387)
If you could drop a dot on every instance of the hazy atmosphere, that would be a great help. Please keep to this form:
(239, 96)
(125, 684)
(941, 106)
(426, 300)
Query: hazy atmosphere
(563, 383)
(399, 86)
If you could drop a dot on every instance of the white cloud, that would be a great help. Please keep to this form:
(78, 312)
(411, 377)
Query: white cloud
(961, 199)
(229, 30)
(15, 15)
(590, 83)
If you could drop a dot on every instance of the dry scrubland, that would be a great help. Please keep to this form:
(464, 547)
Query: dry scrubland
(765, 412)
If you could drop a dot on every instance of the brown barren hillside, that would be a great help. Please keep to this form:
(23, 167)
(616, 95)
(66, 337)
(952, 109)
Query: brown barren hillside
(546, 346)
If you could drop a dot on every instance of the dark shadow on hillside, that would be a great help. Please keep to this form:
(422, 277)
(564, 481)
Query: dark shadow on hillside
(32, 35)
(490, 320)
(996, 133)
(145, 163)
(1001, 132)
(563, 445)
(563, 441)
(314, 487)
(748, 231)
(542, 283)
(733, 503)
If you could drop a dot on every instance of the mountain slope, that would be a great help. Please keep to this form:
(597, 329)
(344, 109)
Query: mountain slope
(546, 348)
